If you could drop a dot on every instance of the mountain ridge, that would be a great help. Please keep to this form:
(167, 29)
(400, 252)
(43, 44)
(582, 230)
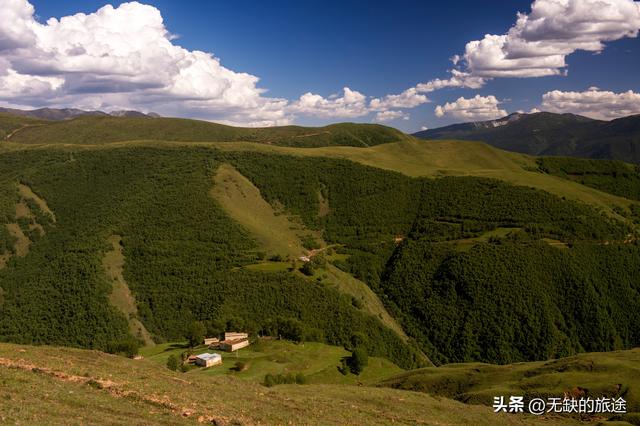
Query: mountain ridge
(551, 134)
(60, 114)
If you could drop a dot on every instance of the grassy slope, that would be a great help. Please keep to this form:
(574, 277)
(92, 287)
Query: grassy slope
(100, 130)
(121, 297)
(454, 158)
(61, 385)
(10, 123)
(316, 361)
(477, 383)
(419, 158)
(242, 200)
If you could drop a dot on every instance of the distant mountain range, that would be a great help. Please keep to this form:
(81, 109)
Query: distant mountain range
(60, 114)
(546, 133)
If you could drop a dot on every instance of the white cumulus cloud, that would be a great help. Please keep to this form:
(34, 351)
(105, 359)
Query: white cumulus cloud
(350, 104)
(539, 42)
(476, 108)
(120, 58)
(125, 58)
(594, 103)
(410, 98)
(458, 79)
(391, 115)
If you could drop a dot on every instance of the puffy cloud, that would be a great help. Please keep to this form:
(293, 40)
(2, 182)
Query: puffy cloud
(351, 104)
(121, 58)
(458, 79)
(539, 42)
(476, 108)
(17, 24)
(410, 98)
(594, 103)
(125, 58)
(391, 115)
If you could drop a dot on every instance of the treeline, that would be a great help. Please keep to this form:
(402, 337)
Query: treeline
(369, 204)
(614, 177)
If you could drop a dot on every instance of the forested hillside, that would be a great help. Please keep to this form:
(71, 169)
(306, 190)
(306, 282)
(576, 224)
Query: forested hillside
(181, 251)
(614, 177)
(457, 260)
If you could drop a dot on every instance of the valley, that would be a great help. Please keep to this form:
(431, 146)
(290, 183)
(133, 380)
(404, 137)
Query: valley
(411, 251)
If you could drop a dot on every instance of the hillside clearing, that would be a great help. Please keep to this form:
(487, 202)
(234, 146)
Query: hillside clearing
(277, 235)
(121, 297)
(22, 242)
(26, 192)
(316, 361)
(242, 200)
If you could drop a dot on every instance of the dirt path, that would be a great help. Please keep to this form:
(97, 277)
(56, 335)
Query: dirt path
(121, 297)
(10, 135)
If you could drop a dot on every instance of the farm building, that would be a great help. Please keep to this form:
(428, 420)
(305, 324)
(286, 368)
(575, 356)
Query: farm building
(210, 341)
(234, 345)
(207, 360)
(235, 335)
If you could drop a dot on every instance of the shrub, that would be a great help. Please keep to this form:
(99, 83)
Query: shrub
(358, 360)
(173, 363)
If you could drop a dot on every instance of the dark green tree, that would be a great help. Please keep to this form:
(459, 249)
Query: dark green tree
(173, 363)
(195, 334)
(358, 360)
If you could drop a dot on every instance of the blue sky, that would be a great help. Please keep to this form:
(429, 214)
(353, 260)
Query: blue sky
(377, 49)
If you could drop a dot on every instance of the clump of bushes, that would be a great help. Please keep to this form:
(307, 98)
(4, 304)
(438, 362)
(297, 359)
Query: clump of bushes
(284, 379)
(127, 347)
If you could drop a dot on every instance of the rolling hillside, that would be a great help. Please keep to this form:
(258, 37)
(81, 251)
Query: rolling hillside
(88, 129)
(611, 374)
(59, 385)
(552, 134)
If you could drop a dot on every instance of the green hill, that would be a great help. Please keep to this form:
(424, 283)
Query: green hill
(106, 129)
(611, 374)
(9, 124)
(186, 258)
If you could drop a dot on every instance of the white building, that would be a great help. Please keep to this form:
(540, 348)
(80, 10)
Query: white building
(207, 360)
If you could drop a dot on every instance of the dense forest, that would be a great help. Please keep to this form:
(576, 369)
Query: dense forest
(614, 177)
(433, 250)
(503, 298)
(182, 257)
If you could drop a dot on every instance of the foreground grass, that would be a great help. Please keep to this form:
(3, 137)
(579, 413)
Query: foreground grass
(61, 386)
